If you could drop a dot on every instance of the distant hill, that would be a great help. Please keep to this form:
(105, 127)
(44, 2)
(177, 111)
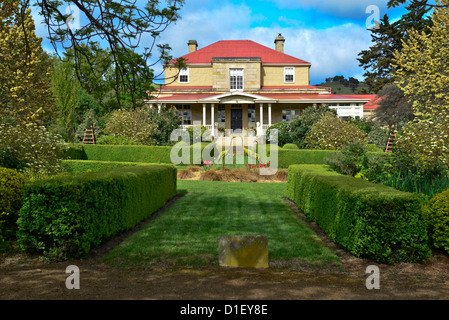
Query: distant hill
(340, 85)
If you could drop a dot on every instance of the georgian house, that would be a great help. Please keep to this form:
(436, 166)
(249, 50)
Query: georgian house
(240, 84)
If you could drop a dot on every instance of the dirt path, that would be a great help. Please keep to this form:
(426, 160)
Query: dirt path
(25, 277)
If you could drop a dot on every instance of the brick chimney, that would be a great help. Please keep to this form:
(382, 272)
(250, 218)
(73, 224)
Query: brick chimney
(193, 45)
(279, 41)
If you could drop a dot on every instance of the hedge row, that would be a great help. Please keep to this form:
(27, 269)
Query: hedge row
(154, 154)
(82, 166)
(369, 220)
(65, 217)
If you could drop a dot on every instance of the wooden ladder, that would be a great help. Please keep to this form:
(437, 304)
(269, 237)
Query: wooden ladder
(391, 139)
(89, 136)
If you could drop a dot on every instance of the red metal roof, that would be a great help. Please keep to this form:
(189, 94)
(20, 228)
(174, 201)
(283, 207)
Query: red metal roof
(240, 49)
(374, 103)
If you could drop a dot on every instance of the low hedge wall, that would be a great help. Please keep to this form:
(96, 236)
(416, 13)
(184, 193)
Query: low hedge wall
(82, 166)
(65, 217)
(369, 220)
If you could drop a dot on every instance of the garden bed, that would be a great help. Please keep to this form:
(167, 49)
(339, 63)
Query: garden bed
(230, 175)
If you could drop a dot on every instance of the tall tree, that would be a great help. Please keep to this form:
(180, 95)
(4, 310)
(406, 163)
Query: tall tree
(423, 67)
(122, 25)
(65, 87)
(25, 93)
(387, 38)
(394, 108)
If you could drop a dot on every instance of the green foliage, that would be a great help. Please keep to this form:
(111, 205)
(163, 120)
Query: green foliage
(130, 153)
(64, 218)
(350, 160)
(87, 102)
(332, 133)
(11, 199)
(65, 88)
(394, 107)
(133, 125)
(284, 136)
(300, 126)
(369, 220)
(83, 166)
(89, 118)
(290, 146)
(194, 133)
(166, 121)
(288, 157)
(423, 144)
(115, 140)
(437, 218)
(378, 137)
(10, 158)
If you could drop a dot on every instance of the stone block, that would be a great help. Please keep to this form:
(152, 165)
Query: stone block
(243, 251)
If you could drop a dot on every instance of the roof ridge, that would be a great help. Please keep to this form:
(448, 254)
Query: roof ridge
(268, 55)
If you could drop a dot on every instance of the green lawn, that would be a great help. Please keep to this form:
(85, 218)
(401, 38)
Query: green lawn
(187, 233)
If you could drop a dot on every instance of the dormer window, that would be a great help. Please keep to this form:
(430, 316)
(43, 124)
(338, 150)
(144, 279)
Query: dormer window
(184, 75)
(289, 75)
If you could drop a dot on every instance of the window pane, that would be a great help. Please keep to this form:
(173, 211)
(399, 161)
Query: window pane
(251, 115)
(236, 79)
(184, 75)
(187, 117)
(289, 74)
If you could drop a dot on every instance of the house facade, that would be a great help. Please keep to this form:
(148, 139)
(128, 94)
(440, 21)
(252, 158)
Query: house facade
(240, 84)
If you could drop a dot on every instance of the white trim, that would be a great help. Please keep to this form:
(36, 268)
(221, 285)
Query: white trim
(184, 72)
(237, 72)
(288, 73)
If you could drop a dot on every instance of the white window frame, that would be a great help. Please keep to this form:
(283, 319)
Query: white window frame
(236, 73)
(184, 72)
(289, 71)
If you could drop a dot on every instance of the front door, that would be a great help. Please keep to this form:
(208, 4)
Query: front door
(236, 119)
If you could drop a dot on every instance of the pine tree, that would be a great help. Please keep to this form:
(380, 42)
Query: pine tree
(377, 60)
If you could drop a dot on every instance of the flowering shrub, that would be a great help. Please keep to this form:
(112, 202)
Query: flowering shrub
(424, 144)
(133, 125)
(40, 151)
(332, 133)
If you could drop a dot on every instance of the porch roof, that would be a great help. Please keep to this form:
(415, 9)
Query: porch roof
(190, 98)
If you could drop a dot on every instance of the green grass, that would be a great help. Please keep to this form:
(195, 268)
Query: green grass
(187, 233)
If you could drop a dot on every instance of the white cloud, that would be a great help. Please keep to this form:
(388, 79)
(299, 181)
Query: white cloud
(355, 9)
(331, 50)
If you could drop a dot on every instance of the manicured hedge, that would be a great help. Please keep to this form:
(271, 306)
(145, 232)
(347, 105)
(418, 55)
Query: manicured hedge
(154, 154)
(369, 220)
(82, 166)
(65, 217)
(11, 198)
(128, 153)
(437, 218)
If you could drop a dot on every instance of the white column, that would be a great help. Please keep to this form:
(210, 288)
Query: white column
(269, 115)
(212, 116)
(204, 114)
(261, 117)
(159, 106)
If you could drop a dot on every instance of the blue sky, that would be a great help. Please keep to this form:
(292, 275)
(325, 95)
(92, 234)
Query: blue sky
(327, 33)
